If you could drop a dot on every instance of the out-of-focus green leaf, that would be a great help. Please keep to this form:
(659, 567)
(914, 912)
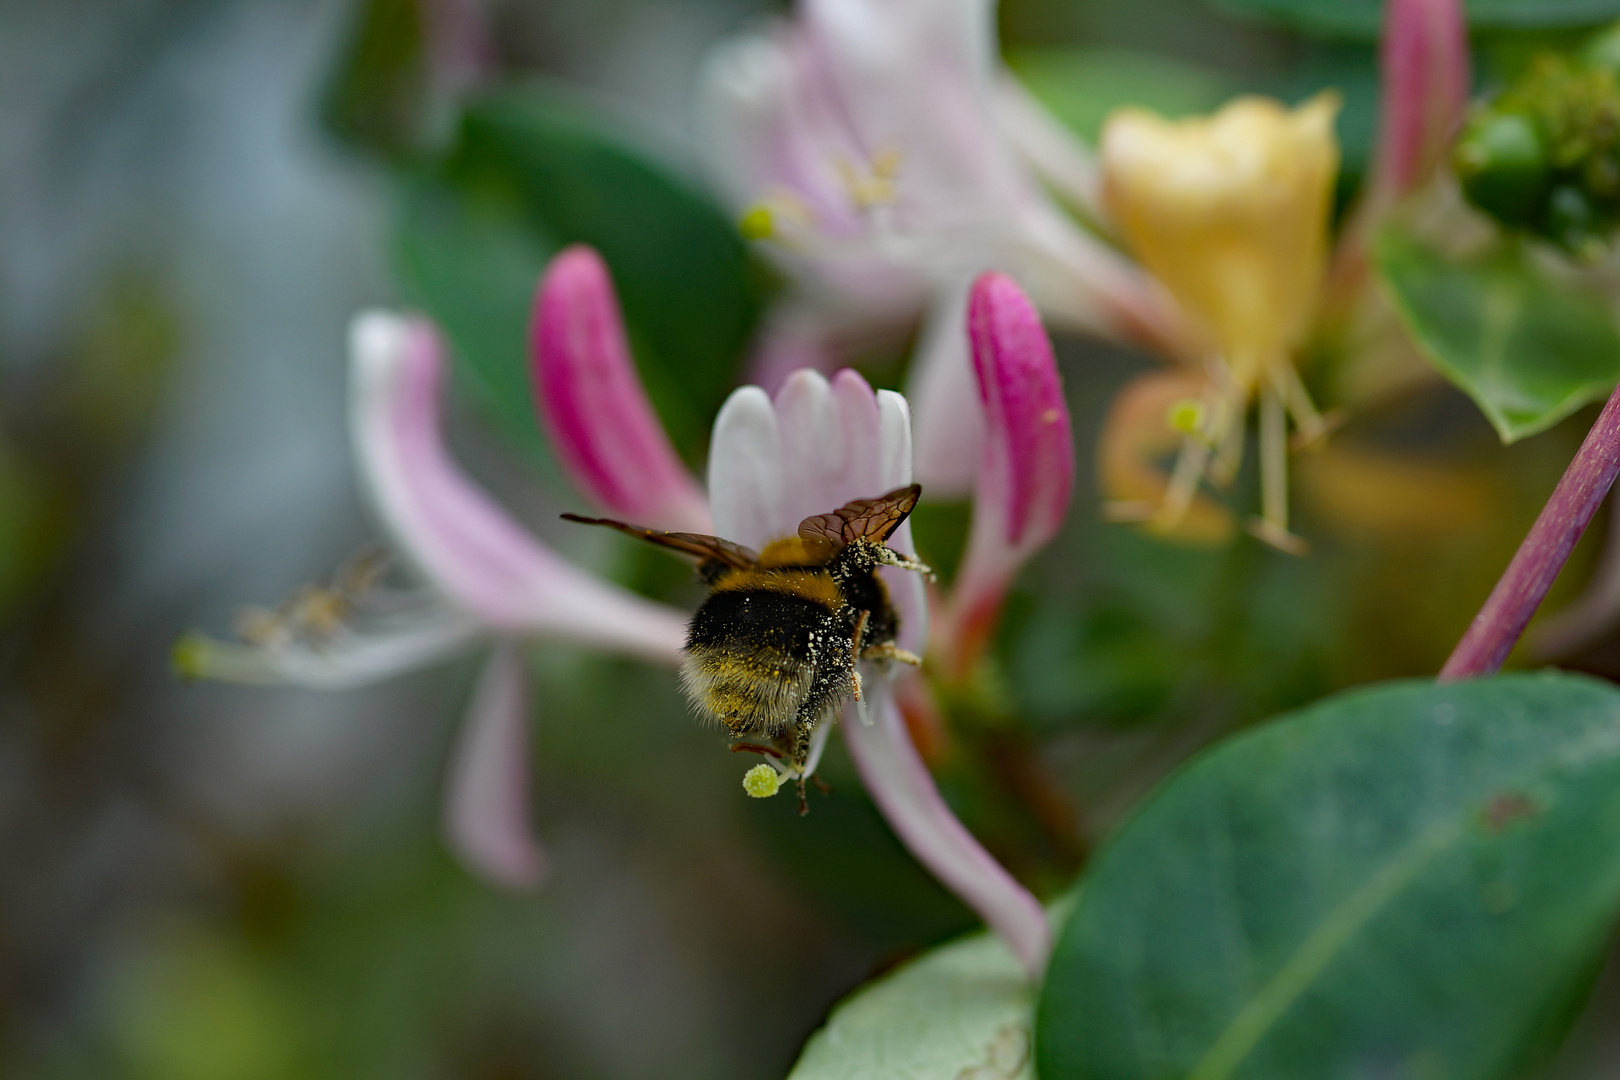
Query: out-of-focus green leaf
(959, 1011)
(472, 260)
(1527, 349)
(1409, 880)
(1082, 86)
(1362, 18)
(22, 517)
(378, 95)
(529, 173)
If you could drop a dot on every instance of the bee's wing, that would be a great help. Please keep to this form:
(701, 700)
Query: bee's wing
(707, 548)
(872, 519)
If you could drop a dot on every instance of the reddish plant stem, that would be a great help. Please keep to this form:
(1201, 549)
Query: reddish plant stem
(1497, 627)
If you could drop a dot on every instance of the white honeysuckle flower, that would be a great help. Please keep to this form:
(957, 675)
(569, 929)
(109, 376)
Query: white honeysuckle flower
(485, 581)
(889, 159)
(773, 462)
(819, 445)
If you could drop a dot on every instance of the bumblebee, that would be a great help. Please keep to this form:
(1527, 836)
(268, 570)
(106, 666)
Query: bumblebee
(771, 654)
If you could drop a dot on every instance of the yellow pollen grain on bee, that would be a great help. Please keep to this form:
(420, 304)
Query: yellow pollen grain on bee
(761, 782)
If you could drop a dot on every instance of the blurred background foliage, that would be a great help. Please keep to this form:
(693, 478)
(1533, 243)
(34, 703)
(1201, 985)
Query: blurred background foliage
(213, 883)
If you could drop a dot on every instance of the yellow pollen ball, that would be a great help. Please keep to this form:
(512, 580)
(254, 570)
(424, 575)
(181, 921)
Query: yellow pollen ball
(762, 781)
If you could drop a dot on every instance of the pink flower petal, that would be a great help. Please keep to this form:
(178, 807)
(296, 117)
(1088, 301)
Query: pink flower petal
(593, 405)
(1026, 466)
(486, 801)
(1424, 59)
(460, 539)
(900, 783)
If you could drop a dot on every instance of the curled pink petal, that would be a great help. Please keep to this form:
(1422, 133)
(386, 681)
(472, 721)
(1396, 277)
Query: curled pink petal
(486, 800)
(593, 405)
(1026, 463)
(460, 539)
(1425, 90)
(900, 783)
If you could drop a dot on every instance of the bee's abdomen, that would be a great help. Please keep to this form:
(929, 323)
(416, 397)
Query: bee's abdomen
(751, 657)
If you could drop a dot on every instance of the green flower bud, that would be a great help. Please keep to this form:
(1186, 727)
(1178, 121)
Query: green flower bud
(1502, 165)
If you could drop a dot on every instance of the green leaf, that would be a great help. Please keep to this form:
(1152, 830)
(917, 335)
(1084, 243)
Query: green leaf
(1362, 18)
(1082, 86)
(531, 172)
(959, 1011)
(379, 95)
(1529, 350)
(1410, 880)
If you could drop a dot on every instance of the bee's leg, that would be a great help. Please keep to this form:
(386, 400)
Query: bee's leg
(855, 652)
(803, 729)
(821, 785)
(755, 748)
(887, 556)
(889, 651)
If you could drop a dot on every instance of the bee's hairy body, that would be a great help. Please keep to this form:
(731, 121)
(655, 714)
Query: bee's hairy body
(772, 653)
(773, 650)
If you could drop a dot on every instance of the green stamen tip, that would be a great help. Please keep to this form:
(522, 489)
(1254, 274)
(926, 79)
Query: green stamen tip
(189, 657)
(1186, 416)
(757, 223)
(762, 781)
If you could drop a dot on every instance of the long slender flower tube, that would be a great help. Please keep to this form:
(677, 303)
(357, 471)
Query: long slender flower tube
(1026, 464)
(877, 146)
(819, 445)
(485, 581)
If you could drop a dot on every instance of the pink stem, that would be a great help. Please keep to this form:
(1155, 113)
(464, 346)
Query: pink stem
(1524, 584)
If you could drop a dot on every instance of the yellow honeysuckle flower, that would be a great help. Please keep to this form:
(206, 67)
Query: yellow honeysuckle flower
(1230, 213)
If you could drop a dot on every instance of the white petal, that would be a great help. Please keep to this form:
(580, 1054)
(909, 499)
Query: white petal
(486, 801)
(950, 419)
(462, 541)
(745, 470)
(350, 658)
(898, 780)
(906, 588)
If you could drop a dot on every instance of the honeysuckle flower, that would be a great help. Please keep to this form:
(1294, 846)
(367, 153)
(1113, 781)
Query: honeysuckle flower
(484, 581)
(773, 462)
(1026, 462)
(886, 158)
(1230, 212)
(817, 445)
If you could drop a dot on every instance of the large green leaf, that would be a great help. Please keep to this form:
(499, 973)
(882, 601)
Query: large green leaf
(530, 172)
(1529, 350)
(1362, 18)
(960, 1011)
(1410, 880)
